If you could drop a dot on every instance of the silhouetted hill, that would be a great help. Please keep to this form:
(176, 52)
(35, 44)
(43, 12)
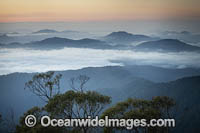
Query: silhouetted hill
(185, 91)
(45, 31)
(57, 42)
(69, 31)
(5, 38)
(54, 40)
(12, 45)
(158, 74)
(40, 35)
(122, 37)
(186, 36)
(167, 45)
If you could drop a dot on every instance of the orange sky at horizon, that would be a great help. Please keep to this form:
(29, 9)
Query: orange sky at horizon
(96, 10)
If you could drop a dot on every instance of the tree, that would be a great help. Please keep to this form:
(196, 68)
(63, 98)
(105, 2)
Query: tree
(156, 108)
(44, 85)
(77, 105)
(164, 104)
(78, 83)
(38, 113)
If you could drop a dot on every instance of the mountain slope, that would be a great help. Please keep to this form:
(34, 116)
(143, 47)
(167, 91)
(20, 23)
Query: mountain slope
(167, 45)
(12, 85)
(122, 37)
(118, 82)
(45, 31)
(158, 74)
(185, 92)
(6, 39)
(57, 42)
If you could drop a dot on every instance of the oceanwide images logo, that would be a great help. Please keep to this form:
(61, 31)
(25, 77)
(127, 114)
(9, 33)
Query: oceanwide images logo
(46, 121)
(30, 121)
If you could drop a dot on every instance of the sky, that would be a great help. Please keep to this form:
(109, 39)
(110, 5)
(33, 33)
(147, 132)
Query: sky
(97, 10)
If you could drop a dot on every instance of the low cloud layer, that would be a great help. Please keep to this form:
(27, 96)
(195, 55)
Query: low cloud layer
(165, 60)
(21, 60)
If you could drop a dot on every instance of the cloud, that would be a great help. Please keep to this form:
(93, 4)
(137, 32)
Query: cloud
(165, 60)
(21, 60)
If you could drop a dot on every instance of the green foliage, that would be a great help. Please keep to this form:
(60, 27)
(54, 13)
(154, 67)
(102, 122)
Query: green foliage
(163, 104)
(77, 104)
(156, 108)
(68, 105)
(74, 104)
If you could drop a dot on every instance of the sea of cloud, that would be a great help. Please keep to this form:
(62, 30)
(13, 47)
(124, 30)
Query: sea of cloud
(23, 60)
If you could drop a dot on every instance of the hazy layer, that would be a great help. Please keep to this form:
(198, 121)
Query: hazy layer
(101, 28)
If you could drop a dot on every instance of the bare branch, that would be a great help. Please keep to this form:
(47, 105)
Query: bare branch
(78, 83)
(44, 85)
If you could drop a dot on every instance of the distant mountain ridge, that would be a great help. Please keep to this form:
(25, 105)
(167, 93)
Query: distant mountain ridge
(4, 38)
(186, 36)
(168, 45)
(57, 42)
(45, 31)
(122, 37)
(53, 31)
(163, 45)
(116, 40)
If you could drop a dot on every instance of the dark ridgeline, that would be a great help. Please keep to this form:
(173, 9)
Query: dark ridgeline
(45, 31)
(124, 38)
(116, 40)
(167, 45)
(119, 83)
